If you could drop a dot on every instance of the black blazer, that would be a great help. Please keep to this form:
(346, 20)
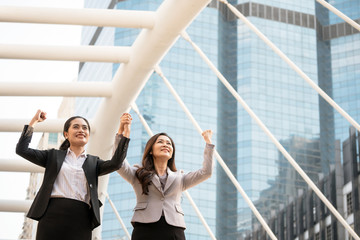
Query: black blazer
(52, 161)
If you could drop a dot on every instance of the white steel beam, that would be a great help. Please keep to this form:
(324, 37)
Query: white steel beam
(172, 17)
(83, 17)
(19, 165)
(66, 53)
(17, 125)
(339, 14)
(72, 89)
(15, 205)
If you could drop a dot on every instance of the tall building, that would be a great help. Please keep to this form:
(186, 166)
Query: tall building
(320, 43)
(286, 104)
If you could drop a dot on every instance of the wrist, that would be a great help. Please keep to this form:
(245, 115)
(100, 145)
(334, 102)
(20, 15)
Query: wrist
(32, 123)
(126, 133)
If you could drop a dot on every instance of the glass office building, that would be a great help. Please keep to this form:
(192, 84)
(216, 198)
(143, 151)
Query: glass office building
(317, 41)
(345, 63)
(285, 103)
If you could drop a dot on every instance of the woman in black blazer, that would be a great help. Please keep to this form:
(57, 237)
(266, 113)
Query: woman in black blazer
(67, 204)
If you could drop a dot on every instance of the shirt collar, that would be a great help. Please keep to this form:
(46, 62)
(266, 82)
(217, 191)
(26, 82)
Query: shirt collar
(83, 154)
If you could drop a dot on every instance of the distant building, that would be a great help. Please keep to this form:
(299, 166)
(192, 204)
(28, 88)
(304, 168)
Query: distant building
(307, 217)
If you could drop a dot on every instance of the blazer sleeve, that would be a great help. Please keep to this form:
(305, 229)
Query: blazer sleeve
(105, 167)
(126, 171)
(193, 178)
(38, 157)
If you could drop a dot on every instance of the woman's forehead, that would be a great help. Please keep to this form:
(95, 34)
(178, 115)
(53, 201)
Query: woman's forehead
(163, 137)
(78, 121)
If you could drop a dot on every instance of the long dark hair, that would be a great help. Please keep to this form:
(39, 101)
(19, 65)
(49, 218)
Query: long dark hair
(66, 144)
(147, 171)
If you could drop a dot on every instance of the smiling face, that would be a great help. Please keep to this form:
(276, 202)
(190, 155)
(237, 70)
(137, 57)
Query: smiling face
(162, 148)
(78, 132)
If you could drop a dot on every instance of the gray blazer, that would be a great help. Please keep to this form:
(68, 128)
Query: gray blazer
(149, 207)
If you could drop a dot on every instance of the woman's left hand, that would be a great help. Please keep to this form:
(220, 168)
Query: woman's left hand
(207, 134)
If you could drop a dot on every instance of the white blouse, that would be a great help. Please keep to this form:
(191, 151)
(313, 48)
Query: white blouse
(71, 181)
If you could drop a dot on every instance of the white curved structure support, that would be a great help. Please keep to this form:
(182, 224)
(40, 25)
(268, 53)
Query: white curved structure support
(172, 17)
(272, 138)
(118, 217)
(66, 53)
(340, 14)
(71, 89)
(142, 119)
(21, 206)
(202, 219)
(17, 125)
(84, 17)
(19, 165)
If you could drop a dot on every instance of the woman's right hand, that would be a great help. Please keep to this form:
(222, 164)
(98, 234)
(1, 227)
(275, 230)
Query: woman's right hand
(40, 116)
(125, 124)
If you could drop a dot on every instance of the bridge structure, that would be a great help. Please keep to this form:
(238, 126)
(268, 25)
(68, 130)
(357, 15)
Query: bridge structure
(159, 31)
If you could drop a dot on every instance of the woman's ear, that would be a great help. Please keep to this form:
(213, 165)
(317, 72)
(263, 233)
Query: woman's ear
(66, 135)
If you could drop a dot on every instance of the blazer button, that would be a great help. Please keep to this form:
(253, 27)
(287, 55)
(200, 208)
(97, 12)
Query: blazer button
(162, 199)
(90, 185)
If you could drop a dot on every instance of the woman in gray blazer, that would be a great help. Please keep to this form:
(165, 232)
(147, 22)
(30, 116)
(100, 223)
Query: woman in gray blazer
(67, 204)
(158, 187)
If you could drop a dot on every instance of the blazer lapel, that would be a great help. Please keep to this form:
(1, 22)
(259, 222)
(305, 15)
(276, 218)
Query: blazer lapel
(60, 159)
(170, 179)
(89, 164)
(156, 181)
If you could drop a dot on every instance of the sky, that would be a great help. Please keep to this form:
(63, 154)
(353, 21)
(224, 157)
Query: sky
(25, 107)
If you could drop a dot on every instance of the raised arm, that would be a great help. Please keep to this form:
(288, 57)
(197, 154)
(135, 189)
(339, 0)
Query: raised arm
(120, 147)
(207, 134)
(126, 171)
(22, 148)
(193, 178)
(40, 116)
(125, 124)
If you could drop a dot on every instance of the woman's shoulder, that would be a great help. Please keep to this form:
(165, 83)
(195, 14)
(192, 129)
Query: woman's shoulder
(136, 166)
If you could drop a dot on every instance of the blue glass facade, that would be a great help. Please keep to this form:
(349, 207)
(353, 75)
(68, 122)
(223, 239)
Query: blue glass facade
(280, 98)
(301, 120)
(345, 65)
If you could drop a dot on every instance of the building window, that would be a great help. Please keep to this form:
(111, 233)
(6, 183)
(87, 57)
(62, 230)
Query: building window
(349, 204)
(53, 137)
(317, 236)
(328, 232)
(294, 218)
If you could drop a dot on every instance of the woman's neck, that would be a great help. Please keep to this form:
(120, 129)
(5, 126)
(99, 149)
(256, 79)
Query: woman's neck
(77, 150)
(160, 167)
